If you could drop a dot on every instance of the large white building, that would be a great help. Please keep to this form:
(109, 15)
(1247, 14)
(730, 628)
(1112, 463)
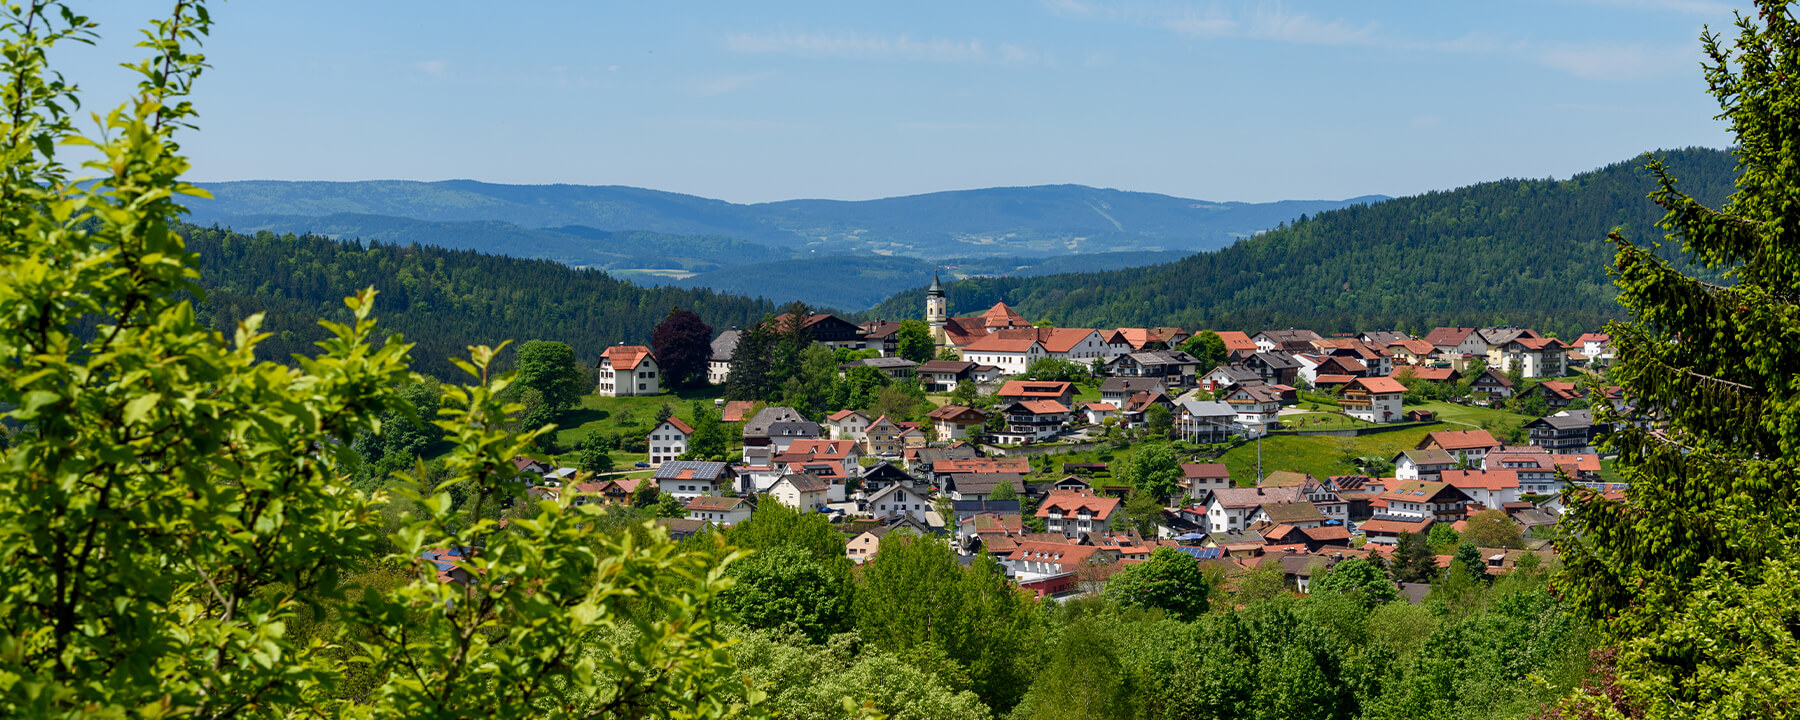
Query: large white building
(627, 370)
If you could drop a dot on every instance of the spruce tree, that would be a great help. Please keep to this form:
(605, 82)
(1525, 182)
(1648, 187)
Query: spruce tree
(1693, 573)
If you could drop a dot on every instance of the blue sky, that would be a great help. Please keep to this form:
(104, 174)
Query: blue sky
(761, 101)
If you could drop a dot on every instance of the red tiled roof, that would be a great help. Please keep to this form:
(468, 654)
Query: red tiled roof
(1416, 347)
(736, 410)
(1379, 385)
(1395, 526)
(626, 357)
(841, 414)
(1044, 407)
(1002, 316)
(1448, 336)
(1034, 389)
(1235, 340)
(1460, 439)
(1072, 501)
(679, 425)
(715, 503)
(1482, 479)
(1205, 470)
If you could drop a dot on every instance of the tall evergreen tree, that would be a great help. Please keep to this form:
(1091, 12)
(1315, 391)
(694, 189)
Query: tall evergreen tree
(1695, 571)
(749, 378)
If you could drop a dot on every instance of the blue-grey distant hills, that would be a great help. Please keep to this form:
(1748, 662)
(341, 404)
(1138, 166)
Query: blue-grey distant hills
(663, 237)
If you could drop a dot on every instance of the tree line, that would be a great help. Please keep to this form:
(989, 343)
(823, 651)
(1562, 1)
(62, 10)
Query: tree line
(1511, 252)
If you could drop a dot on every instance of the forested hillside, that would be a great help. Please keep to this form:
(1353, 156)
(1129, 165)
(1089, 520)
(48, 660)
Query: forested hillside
(443, 300)
(1508, 252)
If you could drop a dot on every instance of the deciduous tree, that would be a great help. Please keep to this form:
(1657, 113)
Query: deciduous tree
(683, 345)
(1169, 580)
(913, 341)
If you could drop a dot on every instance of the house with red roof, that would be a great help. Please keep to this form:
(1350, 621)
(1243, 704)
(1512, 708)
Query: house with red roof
(954, 422)
(1061, 392)
(1468, 446)
(1073, 512)
(669, 440)
(1491, 488)
(1374, 399)
(1029, 421)
(628, 371)
(848, 425)
(1536, 357)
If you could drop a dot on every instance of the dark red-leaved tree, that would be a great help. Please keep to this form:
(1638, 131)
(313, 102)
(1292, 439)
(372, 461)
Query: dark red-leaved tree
(683, 343)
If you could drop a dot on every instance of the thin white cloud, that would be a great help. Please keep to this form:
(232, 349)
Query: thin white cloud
(434, 68)
(711, 87)
(1691, 7)
(858, 46)
(941, 126)
(1611, 62)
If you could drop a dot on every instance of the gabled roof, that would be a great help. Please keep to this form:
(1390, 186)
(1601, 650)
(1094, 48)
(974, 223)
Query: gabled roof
(1491, 377)
(1421, 491)
(984, 483)
(1235, 340)
(725, 345)
(1562, 390)
(676, 423)
(1396, 525)
(1416, 347)
(714, 503)
(1207, 471)
(843, 415)
(735, 410)
(807, 483)
(759, 425)
(1293, 512)
(1482, 479)
(1040, 407)
(945, 366)
(1129, 385)
(1249, 497)
(1035, 389)
(1448, 336)
(1598, 337)
(692, 470)
(1288, 478)
(1567, 420)
(627, 357)
(896, 489)
(1016, 463)
(1206, 408)
(1430, 374)
(1067, 557)
(1102, 407)
(1069, 502)
(1002, 316)
(880, 363)
(1256, 392)
(954, 412)
(1377, 384)
(1453, 440)
(1433, 456)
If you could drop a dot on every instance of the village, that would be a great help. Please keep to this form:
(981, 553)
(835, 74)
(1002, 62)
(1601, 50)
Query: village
(1010, 471)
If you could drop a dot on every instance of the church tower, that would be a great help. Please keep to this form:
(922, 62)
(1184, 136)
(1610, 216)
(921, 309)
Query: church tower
(937, 311)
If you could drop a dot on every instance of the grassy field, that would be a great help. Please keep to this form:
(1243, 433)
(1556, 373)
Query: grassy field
(625, 414)
(1498, 422)
(1319, 456)
(1086, 392)
(1322, 421)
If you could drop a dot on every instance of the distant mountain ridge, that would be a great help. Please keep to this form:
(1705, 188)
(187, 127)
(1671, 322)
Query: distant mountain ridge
(1049, 220)
(1504, 252)
(854, 252)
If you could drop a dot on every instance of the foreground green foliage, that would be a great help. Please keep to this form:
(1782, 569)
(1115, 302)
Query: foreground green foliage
(178, 536)
(1703, 610)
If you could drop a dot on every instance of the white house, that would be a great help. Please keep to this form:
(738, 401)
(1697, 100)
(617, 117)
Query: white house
(1004, 349)
(1258, 407)
(800, 491)
(1491, 488)
(899, 499)
(955, 422)
(1230, 509)
(1422, 464)
(1536, 471)
(1205, 421)
(1374, 399)
(848, 425)
(721, 511)
(669, 440)
(1073, 512)
(1535, 357)
(688, 479)
(1436, 501)
(628, 370)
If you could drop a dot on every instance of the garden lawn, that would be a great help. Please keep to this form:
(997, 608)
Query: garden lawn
(1320, 456)
(626, 415)
(1495, 421)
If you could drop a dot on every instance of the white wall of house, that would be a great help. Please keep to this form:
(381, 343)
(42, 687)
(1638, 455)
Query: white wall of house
(667, 442)
(1010, 363)
(903, 500)
(1382, 408)
(688, 489)
(642, 380)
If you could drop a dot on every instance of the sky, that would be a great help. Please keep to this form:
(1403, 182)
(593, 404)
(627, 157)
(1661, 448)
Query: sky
(763, 101)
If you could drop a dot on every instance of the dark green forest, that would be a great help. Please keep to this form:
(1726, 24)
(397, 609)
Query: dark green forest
(1529, 252)
(442, 300)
